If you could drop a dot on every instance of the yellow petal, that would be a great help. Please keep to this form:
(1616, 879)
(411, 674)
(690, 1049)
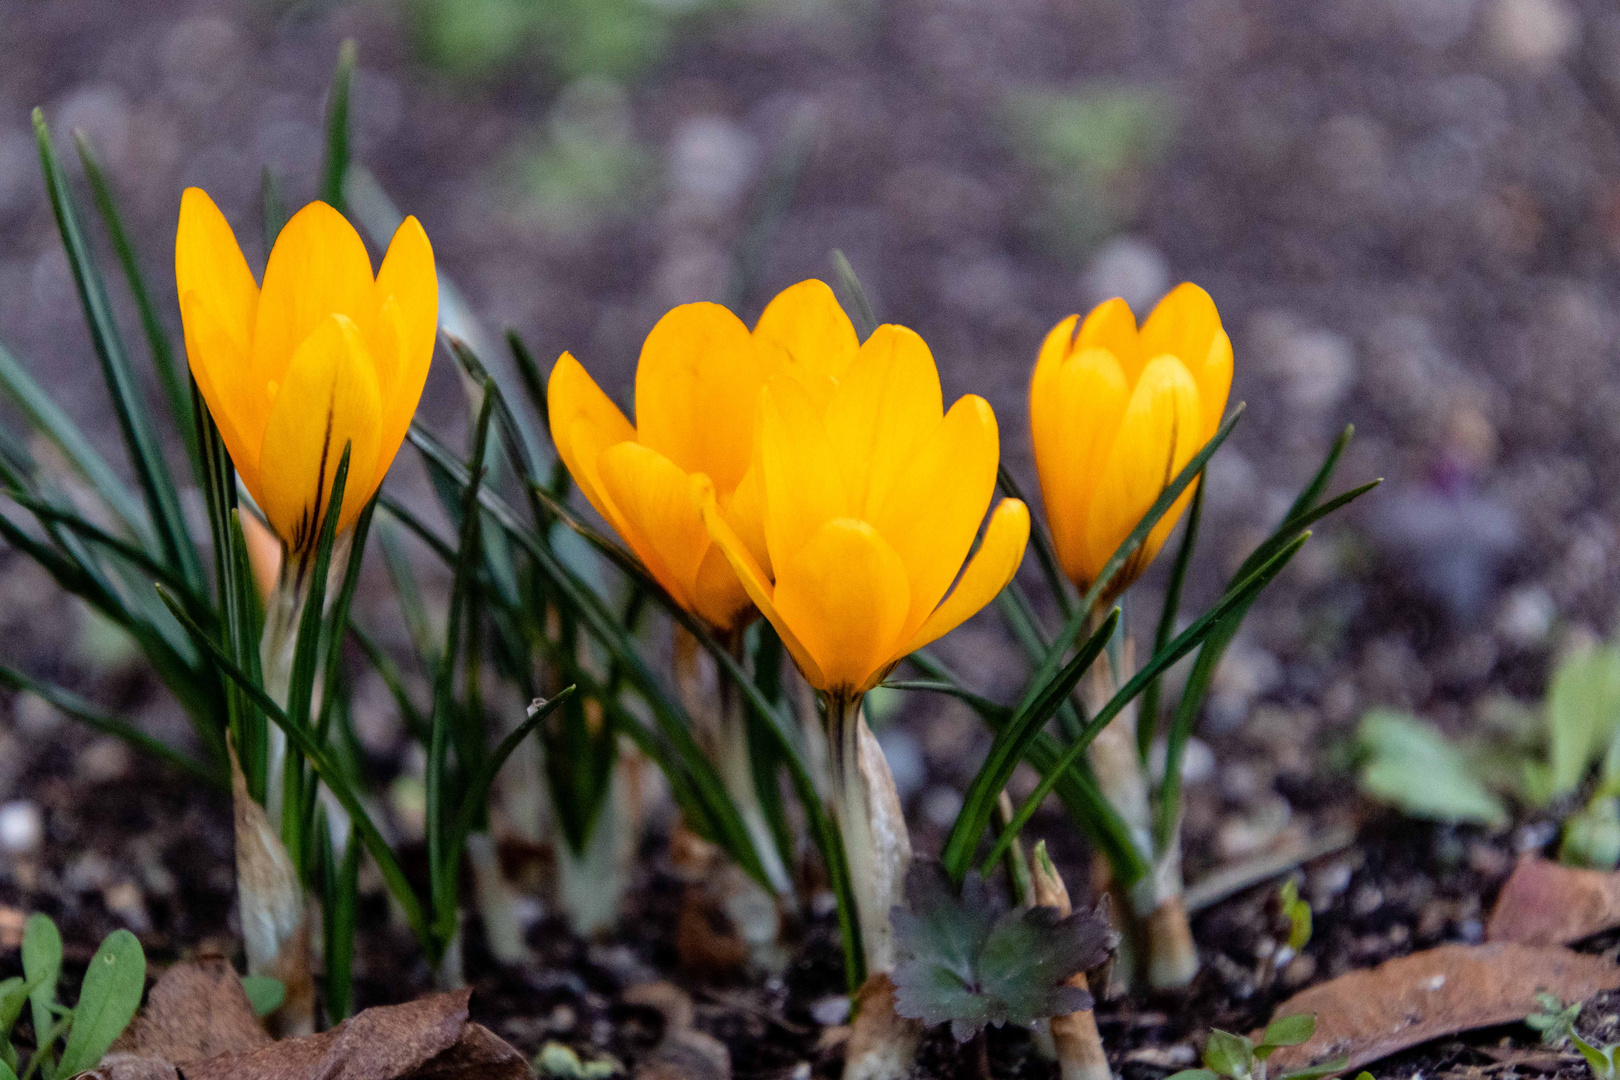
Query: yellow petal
(844, 593)
(1159, 434)
(319, 267)
(407, 294)
(208, 260)
(934, 508)
(721, 600)
(745, 511)
(886, 405)
(806, 333)
(1187, 325)
(1046, 419)
(803, 487)
(328, 398)
(1111, 326)
(1087, 404)
(659, 519)
(240, 416)
(992, 567)
(584, 421)
(753, 579)
(697, 386)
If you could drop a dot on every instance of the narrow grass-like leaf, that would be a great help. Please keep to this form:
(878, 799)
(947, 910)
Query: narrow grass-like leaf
(336, 164)
(92, 716)
(134, 419)
(47, 417)
(170, 374)
(415, 720)
(339, 918)
(112, 989)
(337, 622)
(1039, 539)
(332, 776)
(132, 553)
(444, 857)
(1008, 749)
(1184, 643)
(980, 704)
(1127, 548)
(862, 315)
(273, 204)
(1147, 717)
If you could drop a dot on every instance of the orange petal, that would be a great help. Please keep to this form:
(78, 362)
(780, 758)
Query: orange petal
(753, 579)
(1187, 325)
(407, 295)
(935, 506)
(886, 405)
(992, 567)
(660, 521)
(697, 387)
(1087, 403)
(239, 416)
(319, 267)
(584, 421)
(806, 333)
(803, 487)
(844, 593)
(328, 399)
(1111, 326)
(1160, 432)
(209, 261)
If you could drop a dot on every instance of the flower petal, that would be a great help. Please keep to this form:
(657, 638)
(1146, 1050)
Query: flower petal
(319, 267)
(844, 593)
(209, 261)
(1046, 419)
(661, 523)
(803, 486)
(936, 504)
(809, 337)
(1161, 431)
(697, 386)
(328, 398)
(407, 327)
(584, 421)
(219, 364)
(1088, 402)
(753, 579)
(1111, 326)
(991, 568)
(886, 405)
(1187, 325)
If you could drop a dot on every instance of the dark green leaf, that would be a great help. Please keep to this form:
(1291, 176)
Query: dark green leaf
(113, 985)
(864, 318)
(336, 165)
(264, 994)
(1147, 718)
(1229, 1054)
(1316, 1072)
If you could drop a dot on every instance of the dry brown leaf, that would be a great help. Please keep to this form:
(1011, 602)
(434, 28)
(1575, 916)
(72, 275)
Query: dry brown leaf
(1369, 1014)
(194, 1011)
(1547, 903)
(12, 922)
(882, 1043)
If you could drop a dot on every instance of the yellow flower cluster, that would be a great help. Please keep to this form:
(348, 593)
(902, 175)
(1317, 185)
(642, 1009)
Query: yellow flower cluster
(792, 470)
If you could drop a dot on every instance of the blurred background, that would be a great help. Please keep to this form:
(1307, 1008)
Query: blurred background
(1408, 212)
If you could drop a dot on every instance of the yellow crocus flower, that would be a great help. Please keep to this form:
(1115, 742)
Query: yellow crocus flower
(1115, 413)
(697, 385)
(873, 495)
(323, 355)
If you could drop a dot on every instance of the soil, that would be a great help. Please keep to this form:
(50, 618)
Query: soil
(1409, 213)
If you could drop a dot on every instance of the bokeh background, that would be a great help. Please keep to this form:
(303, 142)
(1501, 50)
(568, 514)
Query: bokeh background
(1408, 212)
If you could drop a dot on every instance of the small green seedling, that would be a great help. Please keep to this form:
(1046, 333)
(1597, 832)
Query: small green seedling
(1238, 1057)
(1298, 913)
(1556, 1022)
(264, 993)
(559, 1061)
(970, 960)
(111, 992)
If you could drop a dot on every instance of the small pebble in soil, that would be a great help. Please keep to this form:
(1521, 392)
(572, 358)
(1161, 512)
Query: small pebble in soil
(22, 827)
(830, 1010)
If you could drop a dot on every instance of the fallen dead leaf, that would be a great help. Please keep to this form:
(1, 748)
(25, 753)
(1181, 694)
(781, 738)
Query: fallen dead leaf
(194, 1011)
(429, 1039)
(1367, 1015)
(1547, 903)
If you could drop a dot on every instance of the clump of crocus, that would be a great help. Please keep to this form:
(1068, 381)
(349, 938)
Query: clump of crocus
(325, 359)
(872, 497)
(1116, 412)
(698, 381)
